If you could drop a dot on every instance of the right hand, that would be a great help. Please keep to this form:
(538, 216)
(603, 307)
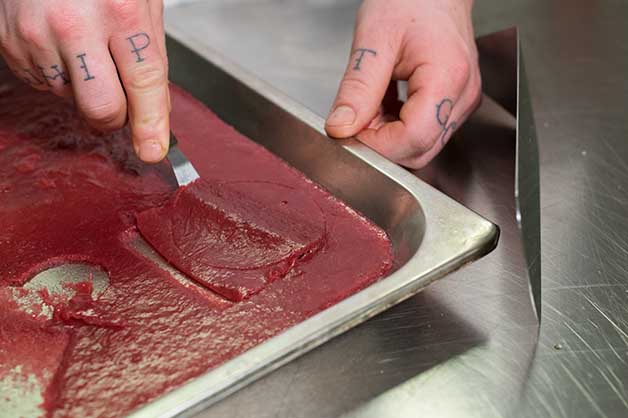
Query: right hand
(430, 44)
(109, 55)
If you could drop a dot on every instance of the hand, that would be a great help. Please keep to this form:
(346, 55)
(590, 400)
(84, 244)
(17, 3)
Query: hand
(430, 44)
(109, 55)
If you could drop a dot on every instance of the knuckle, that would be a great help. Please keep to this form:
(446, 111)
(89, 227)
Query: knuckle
(460, 73)
(415, 163)
(416, 138)
(63, 24)
(110, 115)
(37, 86)
(474, 92)
(61, 91)
(352, 86)
(420, 144)
(30, 33)
(5, 40)
(147, 78)
(476, 87)
(10, 53)
(124, 10)
(158, 8)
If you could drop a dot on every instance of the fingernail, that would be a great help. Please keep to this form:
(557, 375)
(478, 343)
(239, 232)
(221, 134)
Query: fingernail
(151, 151)
(342, 116)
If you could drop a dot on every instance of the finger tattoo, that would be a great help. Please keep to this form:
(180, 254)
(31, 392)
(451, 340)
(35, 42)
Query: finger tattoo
(83, 58)
(361, 53)
(140, 41)
(443, 112)
(57, 72)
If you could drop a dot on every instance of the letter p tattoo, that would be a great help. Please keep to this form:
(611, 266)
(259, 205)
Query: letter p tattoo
(139, 42)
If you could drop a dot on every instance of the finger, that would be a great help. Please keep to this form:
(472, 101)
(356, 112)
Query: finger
(19, 61)
(427, 116)
(389, 109)
(46, 63)
(467, 103)
(156, 8)
(144, 78)
(21, 66)
(364, 84)
(95, 84)
(51, 69)
(461, 112)
(17, 38)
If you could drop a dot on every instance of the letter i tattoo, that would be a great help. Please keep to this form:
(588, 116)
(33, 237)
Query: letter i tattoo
(88, 76)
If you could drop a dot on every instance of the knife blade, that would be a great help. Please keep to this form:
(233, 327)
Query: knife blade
(184, 171)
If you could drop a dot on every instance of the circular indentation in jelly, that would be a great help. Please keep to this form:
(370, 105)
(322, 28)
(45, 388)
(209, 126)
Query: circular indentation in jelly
(58, 285)
(59, 280)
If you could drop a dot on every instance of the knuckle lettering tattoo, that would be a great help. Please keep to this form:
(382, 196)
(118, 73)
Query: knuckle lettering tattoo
(82, 58)
(31, 78)
(443, 112)
(140, 41)
(361, 53)
(57, 73)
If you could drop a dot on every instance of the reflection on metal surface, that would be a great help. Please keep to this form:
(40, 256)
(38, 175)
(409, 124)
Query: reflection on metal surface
(527, 187)
(503, 71)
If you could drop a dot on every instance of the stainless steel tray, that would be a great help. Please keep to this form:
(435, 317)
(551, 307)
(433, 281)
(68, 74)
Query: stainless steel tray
(431, 233)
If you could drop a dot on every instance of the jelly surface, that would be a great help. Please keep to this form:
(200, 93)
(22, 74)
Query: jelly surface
(265, 247)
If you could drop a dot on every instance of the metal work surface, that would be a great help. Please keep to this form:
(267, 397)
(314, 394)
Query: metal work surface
(466, 346)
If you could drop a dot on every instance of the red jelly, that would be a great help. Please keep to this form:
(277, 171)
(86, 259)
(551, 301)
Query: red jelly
(235, 237)
(268, 247)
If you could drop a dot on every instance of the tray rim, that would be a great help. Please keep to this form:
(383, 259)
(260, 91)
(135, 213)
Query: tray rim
(471, 235)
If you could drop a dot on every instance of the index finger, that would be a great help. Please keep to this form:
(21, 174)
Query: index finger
(138, 58)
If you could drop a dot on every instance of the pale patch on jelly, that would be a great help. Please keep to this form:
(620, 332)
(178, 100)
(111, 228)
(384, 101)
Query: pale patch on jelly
(20, 394)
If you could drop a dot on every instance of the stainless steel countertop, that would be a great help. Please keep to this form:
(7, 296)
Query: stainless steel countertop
(467, 346)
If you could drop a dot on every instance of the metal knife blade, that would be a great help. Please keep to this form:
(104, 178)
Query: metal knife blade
(183, 169)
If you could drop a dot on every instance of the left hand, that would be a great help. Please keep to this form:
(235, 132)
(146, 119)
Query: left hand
(430, 44)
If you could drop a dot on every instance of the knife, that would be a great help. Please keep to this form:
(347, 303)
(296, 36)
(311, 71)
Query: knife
(183, 169)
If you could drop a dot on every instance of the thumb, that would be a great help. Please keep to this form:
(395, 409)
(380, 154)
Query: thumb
(363, 86)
